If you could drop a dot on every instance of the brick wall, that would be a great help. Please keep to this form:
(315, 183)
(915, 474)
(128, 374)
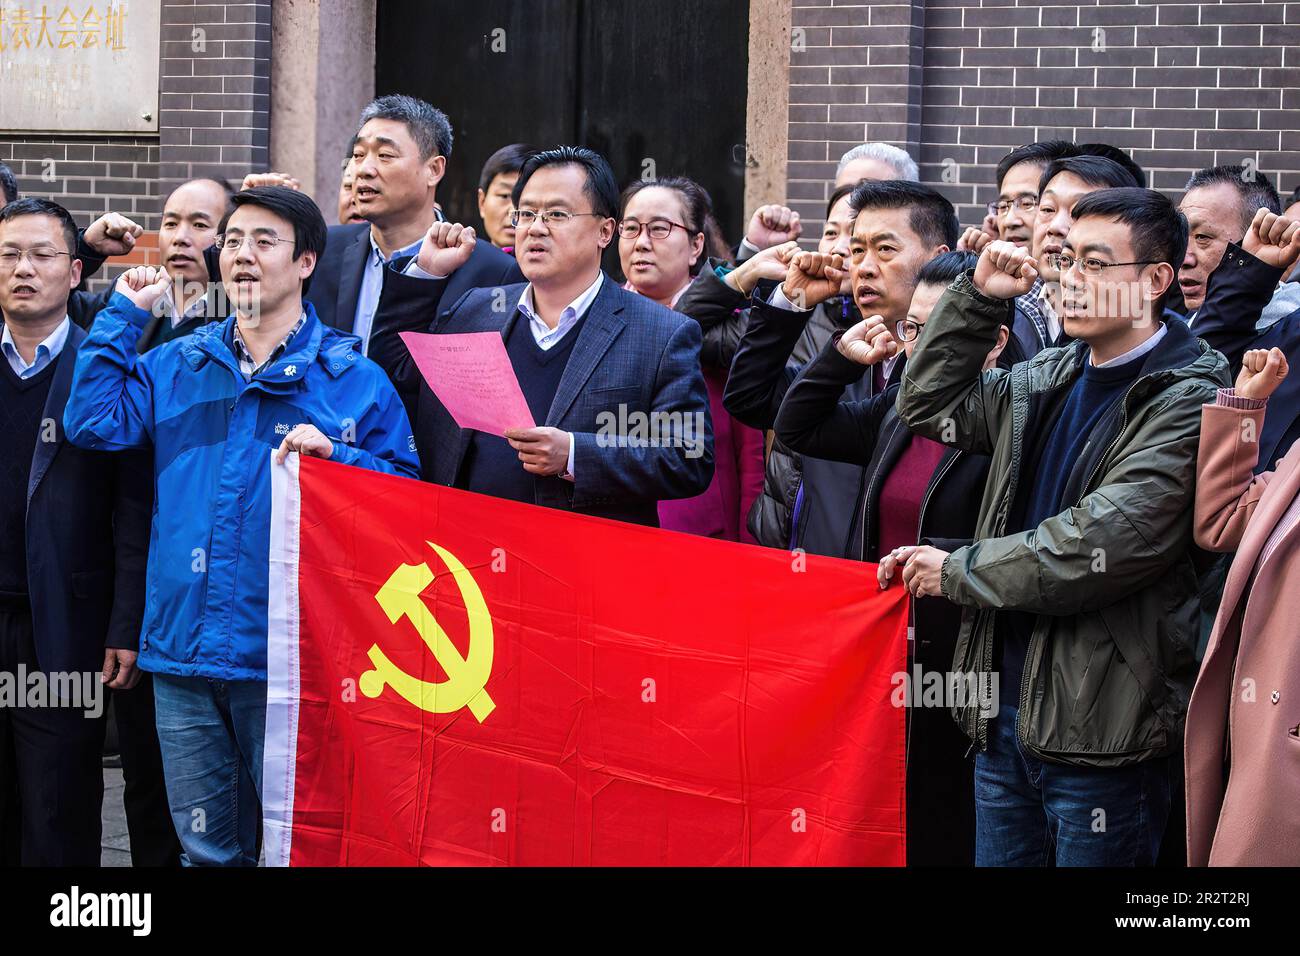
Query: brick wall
(1179, 85)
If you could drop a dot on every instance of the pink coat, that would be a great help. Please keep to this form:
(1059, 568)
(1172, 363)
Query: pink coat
(720, 512)
(1244, 713)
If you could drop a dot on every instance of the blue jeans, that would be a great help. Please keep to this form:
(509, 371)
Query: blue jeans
(1026, 808)
(211, 734)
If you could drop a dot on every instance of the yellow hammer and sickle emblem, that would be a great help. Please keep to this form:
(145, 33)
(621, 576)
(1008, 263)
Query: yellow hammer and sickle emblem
(466, 676)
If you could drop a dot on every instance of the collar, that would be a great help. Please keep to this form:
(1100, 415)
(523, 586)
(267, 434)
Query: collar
(672, 303)
(247, 364)
(52, 344)
(1133, 353)
(568, 316)
(377, 257)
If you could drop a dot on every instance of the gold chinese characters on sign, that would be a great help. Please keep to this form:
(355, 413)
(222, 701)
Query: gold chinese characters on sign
(29, 27)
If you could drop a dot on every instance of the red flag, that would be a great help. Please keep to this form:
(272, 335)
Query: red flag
(458, 679)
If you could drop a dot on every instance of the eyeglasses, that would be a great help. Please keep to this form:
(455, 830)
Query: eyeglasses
(1003, 207)
(551, 217)
(907, 330)
(658, 228)
(260, 243)
(41, 257)
(1062, 263)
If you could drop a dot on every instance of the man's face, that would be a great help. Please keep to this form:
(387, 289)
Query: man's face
(191, 217)
(1052, 223)
(552, 253)
(1213, 220)
(494, 208)
(347, 212)
(1112, 303)
(35, 288)
(865, 169)
(884, 257)
(390, 180)
(1019, 187)
(836, 235)
(262, 280)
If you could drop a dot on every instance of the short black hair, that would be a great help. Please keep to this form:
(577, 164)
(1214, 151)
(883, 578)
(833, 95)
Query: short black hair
(1294, 197)
(1255, 193)
(946, 266)
(427, 124)
(840, 193)
(507, 159)
(931, 216)
(1157, 230)
(32, 206)
(1094, 170)
(1117, 155)
(1040, 154)
(8, 185)
(600, 187)
(309, 229)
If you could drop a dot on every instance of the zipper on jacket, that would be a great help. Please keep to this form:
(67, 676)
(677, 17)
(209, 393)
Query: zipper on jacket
(869, 485)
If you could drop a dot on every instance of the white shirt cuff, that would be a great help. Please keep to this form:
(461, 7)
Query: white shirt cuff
(413, 269)
(780, 301)
(568, 469)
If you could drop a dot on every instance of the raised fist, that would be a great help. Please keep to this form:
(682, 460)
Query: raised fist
(868, 342)
(772, 225)
(1262, 371)
(143, 285)
(974, 239)
(1005, 271)
(770, 263)
(812, 277)
(1273, 239)
(446, 247)
(112, 234)
(253, 180)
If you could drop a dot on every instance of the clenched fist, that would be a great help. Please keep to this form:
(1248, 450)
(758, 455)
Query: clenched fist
(446, 247)
(770, 263)
(143, 285)
(772, 225)
(1273, 239)
(112, 234)
(254, 180)
(1262, 371)
(1005, 271)
(868, 342)
(813, 277)
(974, 239)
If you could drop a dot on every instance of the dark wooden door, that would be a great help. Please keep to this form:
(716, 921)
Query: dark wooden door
(657, 87)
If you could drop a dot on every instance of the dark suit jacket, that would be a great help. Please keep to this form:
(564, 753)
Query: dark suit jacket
(631, 353)
(88, 523)
(1237, 291)
(84, 306)
(336, 283)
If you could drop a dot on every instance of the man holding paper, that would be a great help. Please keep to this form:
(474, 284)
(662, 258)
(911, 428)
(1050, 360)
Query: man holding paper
(611, 379)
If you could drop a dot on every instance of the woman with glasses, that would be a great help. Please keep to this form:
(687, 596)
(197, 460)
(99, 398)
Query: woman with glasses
(916, 490)
(665, 230)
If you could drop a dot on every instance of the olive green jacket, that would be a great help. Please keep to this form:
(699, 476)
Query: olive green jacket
(1112, 579)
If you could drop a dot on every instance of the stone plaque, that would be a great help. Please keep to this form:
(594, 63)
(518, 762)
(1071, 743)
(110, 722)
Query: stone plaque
(79, 67)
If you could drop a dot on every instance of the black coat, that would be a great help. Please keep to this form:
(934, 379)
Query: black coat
(763, 369)
(88, 525)
(814, 419)
(336, 282)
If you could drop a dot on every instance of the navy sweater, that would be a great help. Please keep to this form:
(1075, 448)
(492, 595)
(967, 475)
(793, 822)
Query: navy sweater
(1091, 396)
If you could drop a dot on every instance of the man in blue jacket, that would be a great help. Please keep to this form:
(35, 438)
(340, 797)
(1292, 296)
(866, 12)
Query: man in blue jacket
(213, 406)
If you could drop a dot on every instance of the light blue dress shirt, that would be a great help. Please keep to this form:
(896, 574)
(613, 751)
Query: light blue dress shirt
(46, 352)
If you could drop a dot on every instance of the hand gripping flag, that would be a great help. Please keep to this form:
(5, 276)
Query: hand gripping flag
(458, 679)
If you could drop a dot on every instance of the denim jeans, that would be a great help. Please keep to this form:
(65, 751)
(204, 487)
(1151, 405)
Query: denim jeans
(1026, 809)
(211, 734)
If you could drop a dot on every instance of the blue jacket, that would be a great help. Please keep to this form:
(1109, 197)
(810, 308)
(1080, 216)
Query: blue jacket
(212, 434)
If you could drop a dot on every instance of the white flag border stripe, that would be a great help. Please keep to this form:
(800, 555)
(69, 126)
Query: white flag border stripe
(279, 753)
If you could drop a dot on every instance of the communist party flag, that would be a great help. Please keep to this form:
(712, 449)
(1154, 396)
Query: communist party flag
(455, 679)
